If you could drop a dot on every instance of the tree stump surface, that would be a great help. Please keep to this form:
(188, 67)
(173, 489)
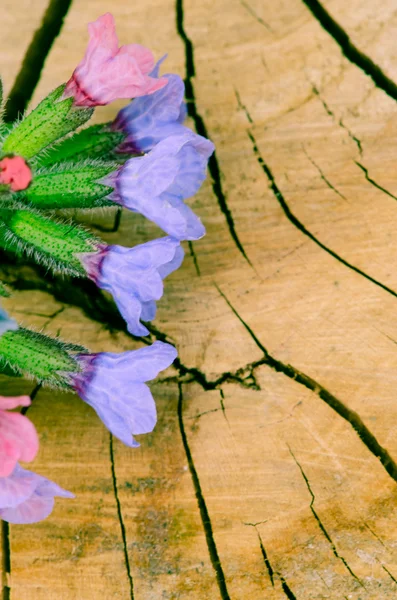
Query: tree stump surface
(272, 470)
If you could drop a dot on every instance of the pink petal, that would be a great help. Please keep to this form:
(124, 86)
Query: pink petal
(107, 73)
(7, 402)
(18, 441)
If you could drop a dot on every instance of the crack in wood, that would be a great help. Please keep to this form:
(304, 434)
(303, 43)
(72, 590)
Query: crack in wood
(213, 164)
(270, 570)
(204, 514)
(340, 121)
(299, 225)
(116, 223)
(352, 417)
(350, 51)
(320, 523)
(33, 62)
(323, 177)
(120, 518)
(194, 257)
(256, 17)
(265, 557)
(33, 395)
(6, 553)
(242, 106)
(388, 572)
(373, 182)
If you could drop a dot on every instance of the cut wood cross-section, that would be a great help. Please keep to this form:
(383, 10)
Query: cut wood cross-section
(272, 472)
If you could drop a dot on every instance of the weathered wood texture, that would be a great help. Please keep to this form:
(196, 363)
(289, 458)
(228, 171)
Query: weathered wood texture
(261, 480)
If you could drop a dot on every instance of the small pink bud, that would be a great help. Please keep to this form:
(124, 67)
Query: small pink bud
(15, 172)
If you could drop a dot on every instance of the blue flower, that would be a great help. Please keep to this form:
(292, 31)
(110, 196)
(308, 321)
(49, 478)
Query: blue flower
(26, 497)
(149, 119)
(157, 184)
(114, 385)
(134, 276)
(6, 323)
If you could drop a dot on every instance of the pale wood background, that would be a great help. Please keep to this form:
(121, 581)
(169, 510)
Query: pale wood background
(251, 485)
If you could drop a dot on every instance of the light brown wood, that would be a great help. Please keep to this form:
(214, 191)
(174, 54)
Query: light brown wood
(247, 465)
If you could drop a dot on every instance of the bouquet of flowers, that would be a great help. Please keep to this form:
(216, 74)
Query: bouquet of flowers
(147, 161)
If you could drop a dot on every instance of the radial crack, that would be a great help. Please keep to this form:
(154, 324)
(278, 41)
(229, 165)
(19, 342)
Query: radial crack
(120, 518)
(194, 257)
(33, 62)
(256, 17)
(6, 554)
(320, 523)
(350, 51)
(339, 122)
(373, 182)
(205, 517)
(213, 165)
(299, 225)
(323, 177)
(353, 418)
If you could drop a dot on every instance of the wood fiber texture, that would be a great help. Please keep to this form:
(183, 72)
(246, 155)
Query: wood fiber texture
(272, 471)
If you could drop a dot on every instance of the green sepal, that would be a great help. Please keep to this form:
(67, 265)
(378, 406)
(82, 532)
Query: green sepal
(51, 242)
(52, 119)
(4, 290)
(97, 141)
(69, 185)
(27, 352)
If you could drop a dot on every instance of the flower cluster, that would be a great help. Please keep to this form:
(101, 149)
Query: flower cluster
(146, 161)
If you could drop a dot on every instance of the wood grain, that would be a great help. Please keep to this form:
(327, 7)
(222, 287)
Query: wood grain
(258, 481)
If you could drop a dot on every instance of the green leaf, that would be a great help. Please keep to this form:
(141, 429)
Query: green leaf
(51, 120)
(30, 353)
(69, 185)
(52, 243)
(97, 141)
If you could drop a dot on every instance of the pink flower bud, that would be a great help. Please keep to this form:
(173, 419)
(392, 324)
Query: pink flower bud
(15, 172)
(108, 72)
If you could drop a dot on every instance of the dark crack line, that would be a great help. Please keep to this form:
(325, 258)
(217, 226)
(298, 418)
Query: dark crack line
(323, 177)
(339, 122)
(194, 257)
(388, 572)
(352, 136)
(120, 517)
(205, 517)
(350, 51)
(256, 17)
(271, 572)
(242, 106)
(221, 401)
(295, 221)
(374, 534)
(266, 560)
(213, 165)
(116, 223)
(320, 523)
(373, 182)
(32, 395)
(33, 62)
(6, 553)
(353, 418)
(286, 589)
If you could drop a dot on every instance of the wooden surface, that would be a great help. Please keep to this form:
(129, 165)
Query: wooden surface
(263, 477)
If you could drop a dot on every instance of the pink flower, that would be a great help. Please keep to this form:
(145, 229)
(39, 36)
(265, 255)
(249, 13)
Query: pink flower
(18, 437)
(108, 72)
(15, 172)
